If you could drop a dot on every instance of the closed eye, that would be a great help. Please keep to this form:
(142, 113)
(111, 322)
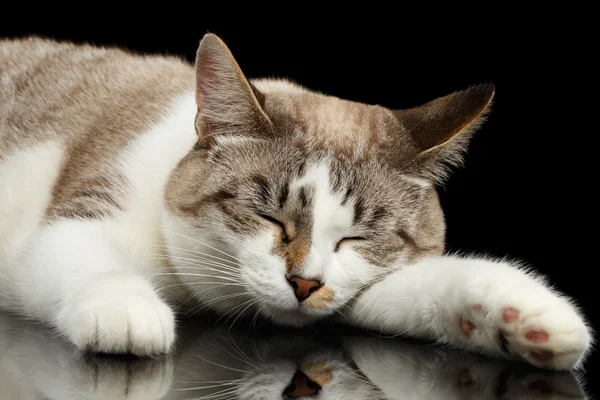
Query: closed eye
(284, 237)
(348, 240)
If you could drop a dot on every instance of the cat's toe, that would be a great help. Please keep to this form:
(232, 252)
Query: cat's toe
(555, 338)
(134, 321)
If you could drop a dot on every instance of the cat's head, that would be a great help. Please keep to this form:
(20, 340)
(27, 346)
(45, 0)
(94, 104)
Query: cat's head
(292, 201)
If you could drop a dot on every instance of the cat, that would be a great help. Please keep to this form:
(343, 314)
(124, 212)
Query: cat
(133, 187)
(222, 363)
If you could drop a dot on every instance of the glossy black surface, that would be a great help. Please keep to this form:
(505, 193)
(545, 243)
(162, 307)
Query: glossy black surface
(217, 361)
(526, 192)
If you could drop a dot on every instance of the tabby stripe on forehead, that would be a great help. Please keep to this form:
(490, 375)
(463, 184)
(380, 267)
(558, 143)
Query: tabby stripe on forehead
(283, 195)
(379, 214)
(336, 177)
(302, 168)
(221, 195)
(304, 199)
(263, 187)
(347, 195)
(359, 210)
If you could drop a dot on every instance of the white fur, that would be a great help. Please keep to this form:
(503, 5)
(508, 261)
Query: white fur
(91, 278)
(26, 181)
(430, 298)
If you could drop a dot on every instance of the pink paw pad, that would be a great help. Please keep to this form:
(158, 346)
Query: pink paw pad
(510, 315)
(537, 336)
(466, 327)
(542, 356)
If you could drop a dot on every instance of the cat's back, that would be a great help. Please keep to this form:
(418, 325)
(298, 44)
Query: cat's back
(51, 89)
(67, 112)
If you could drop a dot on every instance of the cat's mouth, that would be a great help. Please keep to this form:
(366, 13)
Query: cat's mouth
(294, 313)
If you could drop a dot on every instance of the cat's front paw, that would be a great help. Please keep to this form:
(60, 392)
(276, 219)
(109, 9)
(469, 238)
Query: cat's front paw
(119, 314)
(528, 321)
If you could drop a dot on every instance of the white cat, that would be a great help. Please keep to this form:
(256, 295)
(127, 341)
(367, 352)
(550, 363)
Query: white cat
(133, 185)
(215, 364)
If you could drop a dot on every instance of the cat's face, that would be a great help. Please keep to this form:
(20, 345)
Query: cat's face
(293, 202)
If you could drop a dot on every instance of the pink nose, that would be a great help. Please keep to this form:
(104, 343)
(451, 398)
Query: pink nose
(303, 288)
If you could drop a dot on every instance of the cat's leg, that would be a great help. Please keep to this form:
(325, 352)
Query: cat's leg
(74, 276)
(477, 304)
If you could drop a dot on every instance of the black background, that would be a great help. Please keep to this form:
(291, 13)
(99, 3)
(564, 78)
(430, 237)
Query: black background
(527, 190)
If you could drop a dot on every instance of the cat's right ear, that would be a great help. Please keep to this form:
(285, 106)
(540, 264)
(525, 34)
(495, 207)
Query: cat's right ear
(228, 104)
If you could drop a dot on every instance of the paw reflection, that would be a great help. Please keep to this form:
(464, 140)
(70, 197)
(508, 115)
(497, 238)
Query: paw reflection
(221, 365)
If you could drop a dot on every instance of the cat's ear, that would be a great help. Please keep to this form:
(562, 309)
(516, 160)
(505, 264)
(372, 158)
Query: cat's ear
(435, 135)
(228, 105)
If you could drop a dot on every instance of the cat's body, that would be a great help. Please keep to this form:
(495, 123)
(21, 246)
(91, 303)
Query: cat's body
(68, 146)
(289, 203)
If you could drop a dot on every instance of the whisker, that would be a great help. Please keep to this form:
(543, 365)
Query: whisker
(204, 305)
(218, 395)
(232, 312)
(191, 274)
(217, 364)
(240, 352)
(199, 242)
(205, 262)
(213, 284)
(254, 319)
(181, 249)
(201, 256)
(227, 383)
(194, 268)
(239, 315)
(238, 358)
(204, 267)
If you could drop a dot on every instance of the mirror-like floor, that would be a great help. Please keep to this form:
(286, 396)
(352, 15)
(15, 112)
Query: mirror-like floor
(229, 364)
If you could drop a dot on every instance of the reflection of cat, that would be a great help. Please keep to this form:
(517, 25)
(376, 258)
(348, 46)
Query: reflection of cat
(214, 364)
(288, 203)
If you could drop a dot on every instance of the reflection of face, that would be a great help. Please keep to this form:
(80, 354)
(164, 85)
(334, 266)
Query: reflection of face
(220, 365)
(296, 367)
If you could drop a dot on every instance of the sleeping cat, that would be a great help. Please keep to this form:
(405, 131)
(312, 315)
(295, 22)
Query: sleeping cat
(133, 186)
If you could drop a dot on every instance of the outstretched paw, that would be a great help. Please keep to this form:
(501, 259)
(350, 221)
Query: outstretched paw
(543, 328)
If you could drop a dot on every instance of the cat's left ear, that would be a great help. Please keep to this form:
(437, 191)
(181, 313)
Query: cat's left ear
(434, 136)
(228, 104)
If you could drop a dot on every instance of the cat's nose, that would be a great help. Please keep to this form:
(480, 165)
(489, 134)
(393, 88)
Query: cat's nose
(301, 386)
(303, 288)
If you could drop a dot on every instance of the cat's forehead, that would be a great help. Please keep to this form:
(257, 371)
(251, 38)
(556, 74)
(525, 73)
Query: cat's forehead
(328, 122)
